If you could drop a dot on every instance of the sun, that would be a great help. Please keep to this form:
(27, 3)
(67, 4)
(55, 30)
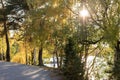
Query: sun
(84, 13)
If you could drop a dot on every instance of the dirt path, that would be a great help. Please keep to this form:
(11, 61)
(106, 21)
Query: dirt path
(14, 71)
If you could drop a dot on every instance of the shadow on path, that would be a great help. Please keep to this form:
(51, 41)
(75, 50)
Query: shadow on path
(14, 71)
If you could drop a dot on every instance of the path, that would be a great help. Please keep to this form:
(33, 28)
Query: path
(14, 71)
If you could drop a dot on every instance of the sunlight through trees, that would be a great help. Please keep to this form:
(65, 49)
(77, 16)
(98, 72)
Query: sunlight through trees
(81, 38)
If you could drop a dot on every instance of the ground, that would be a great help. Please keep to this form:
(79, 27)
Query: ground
(15, 71)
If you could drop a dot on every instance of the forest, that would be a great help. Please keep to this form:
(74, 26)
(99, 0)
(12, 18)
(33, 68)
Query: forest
(81, 38)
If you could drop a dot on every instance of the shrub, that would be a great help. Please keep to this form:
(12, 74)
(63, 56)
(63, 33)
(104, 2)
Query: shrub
(73, 67)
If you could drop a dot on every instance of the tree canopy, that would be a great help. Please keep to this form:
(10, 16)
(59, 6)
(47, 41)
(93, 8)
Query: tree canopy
(60, 29)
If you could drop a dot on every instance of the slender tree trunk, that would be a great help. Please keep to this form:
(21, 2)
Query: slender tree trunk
(6, 35)
(26, 56)
(29, 60)
(3, 57)
(116, 69)
(8, 47)
(57, 58)
(61, 58)
(34, 55)
(53, 60)
(2, 51)
(85, 65)
(40, 56)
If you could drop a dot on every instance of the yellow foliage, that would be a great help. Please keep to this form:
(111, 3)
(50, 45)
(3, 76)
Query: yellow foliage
(19, 58)
(46, 54)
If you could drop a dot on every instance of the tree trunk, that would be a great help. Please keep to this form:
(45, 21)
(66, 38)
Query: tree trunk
(34, 55)
(40, 56)
(57, 58)
(53, 60)
(116, 70)
(8, 47)
(85, 65)
(61, 58)
(26, 56)
(6, 35)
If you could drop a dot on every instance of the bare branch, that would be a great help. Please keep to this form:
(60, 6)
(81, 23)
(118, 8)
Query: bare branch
(86, 42)
(70, 8)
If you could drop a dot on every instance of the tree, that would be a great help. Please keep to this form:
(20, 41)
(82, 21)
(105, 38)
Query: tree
(10, 20)
(43, 24)
(73, 66)
(106, 16)
(38, 32)
(86, 32)
(5, 31)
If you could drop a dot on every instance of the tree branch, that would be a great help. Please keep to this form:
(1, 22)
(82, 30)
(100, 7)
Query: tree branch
(86, 42)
